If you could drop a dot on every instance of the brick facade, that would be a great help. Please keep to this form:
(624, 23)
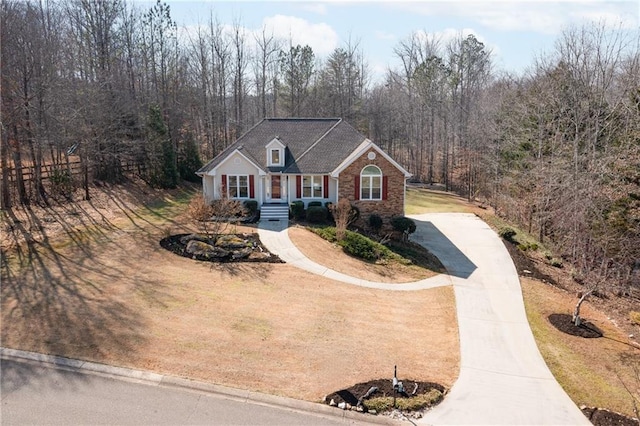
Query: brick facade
(392, 206)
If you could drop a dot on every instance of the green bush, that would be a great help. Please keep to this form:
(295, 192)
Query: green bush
(314, 204)
(61, 183)
(328, 233)
(507, 233)
(297, 209)
(317, 214)
(403, 224)
(360, 246)
(375, 222)
(251, 206)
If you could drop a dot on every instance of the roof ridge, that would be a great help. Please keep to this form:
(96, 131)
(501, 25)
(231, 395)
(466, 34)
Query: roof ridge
(303, 118)
(318, 141)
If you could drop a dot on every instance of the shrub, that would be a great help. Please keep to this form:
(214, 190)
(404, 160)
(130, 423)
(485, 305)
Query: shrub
(344, 214)
(297, 209)
(634, 316)
(507, 233)
(314, 204)
(375, 222)
(62, 184)
(251, 206)
(200, 212)
(360, 246)
(403, 224)
(329, 206)
(316, 214)
(328, 233)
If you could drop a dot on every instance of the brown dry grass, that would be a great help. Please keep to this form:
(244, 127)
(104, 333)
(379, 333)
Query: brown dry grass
(103, 290)
(332, 256)
(591, 371)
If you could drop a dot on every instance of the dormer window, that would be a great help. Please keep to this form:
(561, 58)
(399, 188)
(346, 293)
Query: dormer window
(275, 153)
(275, 156)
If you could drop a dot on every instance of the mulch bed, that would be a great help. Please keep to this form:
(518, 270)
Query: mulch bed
(564, 323)
(600, 417)
(351, 394)
(175, 245)
(525, 266)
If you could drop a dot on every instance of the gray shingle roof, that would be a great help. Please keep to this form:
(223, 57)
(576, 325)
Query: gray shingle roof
(314, 145)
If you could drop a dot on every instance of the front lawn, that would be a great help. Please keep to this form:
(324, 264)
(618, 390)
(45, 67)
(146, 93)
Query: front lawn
(115, 296)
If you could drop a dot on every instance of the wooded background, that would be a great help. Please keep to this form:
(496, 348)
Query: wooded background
(96, 89)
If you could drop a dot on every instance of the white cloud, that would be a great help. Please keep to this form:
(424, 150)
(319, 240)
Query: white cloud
(321, 37)
(542, 16)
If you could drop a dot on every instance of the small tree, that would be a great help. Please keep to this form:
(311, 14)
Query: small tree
(201, 212)
(344, 214)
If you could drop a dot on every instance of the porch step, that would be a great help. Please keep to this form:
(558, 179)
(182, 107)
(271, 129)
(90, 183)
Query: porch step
(274, 212)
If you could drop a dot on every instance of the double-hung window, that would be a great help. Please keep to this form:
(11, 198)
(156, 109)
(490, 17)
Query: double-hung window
(238, 186)
(312, 187)
(371, 183)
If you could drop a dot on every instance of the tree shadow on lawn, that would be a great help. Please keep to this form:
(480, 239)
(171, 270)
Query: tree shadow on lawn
(59, 300)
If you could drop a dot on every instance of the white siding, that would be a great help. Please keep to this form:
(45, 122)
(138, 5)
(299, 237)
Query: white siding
(235, 164)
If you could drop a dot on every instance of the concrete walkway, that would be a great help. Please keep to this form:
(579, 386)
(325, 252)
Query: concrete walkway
(275, 238)
(503, 378)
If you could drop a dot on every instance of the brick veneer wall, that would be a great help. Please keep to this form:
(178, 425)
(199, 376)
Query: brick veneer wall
(392, 206)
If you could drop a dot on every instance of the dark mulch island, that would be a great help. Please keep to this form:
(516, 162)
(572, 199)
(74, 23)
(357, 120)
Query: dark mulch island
(600, 417)
(252, 249)
(564, 323)
(351, 394)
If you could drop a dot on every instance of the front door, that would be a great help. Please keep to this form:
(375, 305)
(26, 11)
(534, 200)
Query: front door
(275, 187)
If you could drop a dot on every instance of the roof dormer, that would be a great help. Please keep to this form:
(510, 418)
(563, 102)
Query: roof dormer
(275, 153)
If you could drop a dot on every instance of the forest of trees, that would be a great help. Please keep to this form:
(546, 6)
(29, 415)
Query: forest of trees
(112, 89)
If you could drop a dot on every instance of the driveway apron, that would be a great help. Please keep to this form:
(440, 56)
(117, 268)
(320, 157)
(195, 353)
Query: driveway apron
(503, 378)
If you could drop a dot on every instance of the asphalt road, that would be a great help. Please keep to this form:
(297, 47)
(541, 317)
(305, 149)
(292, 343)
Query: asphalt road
(35, 393)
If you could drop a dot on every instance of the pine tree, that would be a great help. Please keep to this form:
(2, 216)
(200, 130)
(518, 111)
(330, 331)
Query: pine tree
(189, 161)
(163, 168)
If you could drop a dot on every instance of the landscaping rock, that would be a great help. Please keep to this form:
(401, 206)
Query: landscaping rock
(198, 248)
(242, 253)
(231, 242)
(194, 237)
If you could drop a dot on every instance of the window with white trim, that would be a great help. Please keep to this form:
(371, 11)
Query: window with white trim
(238, 186)
(371, 183)
(275, 157)
(312, 187)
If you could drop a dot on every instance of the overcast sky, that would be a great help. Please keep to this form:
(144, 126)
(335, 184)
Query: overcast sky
(515, 31)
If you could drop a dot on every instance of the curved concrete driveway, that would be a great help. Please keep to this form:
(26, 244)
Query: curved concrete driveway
(503, 379)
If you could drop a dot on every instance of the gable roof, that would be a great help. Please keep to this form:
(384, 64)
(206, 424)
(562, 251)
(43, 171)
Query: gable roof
(313, 145)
